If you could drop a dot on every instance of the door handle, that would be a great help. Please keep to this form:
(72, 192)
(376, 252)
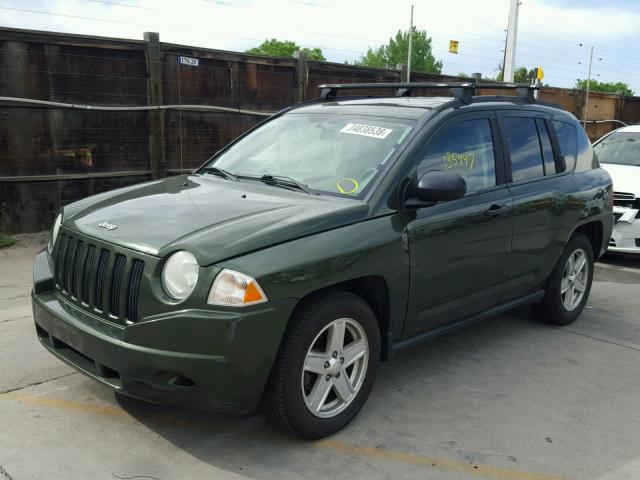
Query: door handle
(496, 209)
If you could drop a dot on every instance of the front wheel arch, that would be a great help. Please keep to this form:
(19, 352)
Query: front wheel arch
(373, 289)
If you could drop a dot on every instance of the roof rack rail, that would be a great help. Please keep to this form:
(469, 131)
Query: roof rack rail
(463, 91)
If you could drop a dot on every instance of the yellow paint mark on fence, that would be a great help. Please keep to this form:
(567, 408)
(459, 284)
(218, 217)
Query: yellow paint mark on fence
(378, 453)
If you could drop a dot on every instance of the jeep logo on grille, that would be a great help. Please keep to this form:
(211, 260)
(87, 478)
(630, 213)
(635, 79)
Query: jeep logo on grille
(107, 225)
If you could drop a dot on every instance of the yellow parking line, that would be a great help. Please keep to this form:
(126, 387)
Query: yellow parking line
(443, 464)
(384, 454)
(68, 405)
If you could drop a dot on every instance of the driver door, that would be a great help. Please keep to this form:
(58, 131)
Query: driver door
(459, 249)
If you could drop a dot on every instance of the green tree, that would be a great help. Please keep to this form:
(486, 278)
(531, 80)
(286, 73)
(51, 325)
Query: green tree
(608, 87)
(520, 75)
(397, 50)
(285, 48)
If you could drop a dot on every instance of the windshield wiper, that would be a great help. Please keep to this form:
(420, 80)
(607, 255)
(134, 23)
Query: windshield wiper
(284, 180)
(220, 172)
(280, 181)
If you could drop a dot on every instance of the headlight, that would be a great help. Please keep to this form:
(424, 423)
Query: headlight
(54, 233)
(235, 289)
(180, 275)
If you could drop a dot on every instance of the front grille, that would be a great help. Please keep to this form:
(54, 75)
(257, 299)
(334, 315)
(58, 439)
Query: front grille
(624, 197)
(98, 279)
(626, 200)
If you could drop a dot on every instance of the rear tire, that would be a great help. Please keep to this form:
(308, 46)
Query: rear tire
(326, 366)
(569, 285)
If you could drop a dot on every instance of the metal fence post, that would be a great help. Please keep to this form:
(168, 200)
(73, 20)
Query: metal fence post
(404, 72)
(302, 71)
(157, 160)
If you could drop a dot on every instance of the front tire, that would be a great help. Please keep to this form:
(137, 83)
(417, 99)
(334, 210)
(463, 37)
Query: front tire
(569, 285)
(326, 366)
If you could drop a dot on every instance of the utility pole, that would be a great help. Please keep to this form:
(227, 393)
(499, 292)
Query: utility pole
(586, 98)
(504, 55)
(510, 51)
(410, 44)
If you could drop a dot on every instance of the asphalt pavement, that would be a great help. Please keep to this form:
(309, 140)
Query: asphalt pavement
(507, 398)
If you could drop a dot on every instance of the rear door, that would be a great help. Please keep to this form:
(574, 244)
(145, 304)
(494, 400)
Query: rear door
(459, 249)
(540, 193)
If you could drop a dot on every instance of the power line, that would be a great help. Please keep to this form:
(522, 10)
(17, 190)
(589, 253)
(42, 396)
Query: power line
(480, 43)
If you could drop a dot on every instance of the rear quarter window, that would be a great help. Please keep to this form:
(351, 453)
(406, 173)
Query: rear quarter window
(567, 135)
(587, 159)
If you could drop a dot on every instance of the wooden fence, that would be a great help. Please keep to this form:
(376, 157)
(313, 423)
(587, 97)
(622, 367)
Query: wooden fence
(52, 156)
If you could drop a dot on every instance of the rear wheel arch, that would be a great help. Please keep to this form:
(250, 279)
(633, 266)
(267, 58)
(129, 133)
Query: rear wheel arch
(594, 232)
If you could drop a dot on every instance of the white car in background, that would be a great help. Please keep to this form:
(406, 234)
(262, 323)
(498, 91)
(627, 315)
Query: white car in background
(619, 153)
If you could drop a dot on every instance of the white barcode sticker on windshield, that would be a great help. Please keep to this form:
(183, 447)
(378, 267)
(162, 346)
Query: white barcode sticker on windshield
(366, 130)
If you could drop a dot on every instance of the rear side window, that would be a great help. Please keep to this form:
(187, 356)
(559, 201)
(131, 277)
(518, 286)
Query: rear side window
(567, 141)
(465, 148)
(547, 150)
(521, 135)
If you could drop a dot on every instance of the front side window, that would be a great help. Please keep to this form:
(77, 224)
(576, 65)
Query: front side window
(338, 154)
(522, 139)
(622, 148)
(465, 148)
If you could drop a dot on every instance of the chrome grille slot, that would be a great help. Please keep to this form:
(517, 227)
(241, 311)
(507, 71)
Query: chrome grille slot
(87, 275)
(624, 197)
(100, 279)
(134, 289)
(116, 282)
(97, 277)
(75, 275)
(70, 260)
(62, 250)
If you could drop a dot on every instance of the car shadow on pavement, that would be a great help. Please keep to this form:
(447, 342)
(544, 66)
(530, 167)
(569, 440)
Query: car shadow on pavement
(433, 398)
(617, 260)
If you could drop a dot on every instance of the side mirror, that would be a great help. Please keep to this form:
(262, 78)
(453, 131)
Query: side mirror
(438, 186)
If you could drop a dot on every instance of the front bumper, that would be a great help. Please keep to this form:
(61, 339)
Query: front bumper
(151, 359)
(625, 237)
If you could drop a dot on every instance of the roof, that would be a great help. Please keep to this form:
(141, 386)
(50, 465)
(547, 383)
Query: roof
(629, 129)
(413, 108)
(400, 107)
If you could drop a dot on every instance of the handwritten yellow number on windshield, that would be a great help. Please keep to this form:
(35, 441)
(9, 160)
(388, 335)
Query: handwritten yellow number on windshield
(341, 188)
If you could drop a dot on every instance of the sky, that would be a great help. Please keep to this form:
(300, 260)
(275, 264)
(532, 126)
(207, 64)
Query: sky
(554, 34)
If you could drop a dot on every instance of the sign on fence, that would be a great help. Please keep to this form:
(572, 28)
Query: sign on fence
(192, 62)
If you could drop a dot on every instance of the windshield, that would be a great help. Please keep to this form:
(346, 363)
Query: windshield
(338, 154)
(622, 148)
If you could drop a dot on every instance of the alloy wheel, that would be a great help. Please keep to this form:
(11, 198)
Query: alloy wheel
(574, 279)
(335, 367)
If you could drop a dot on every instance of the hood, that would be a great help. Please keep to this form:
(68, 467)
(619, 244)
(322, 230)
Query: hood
(213, 218)
(626, 178)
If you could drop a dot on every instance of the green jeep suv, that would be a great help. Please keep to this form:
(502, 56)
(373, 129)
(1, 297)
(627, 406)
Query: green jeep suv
(328, 238)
